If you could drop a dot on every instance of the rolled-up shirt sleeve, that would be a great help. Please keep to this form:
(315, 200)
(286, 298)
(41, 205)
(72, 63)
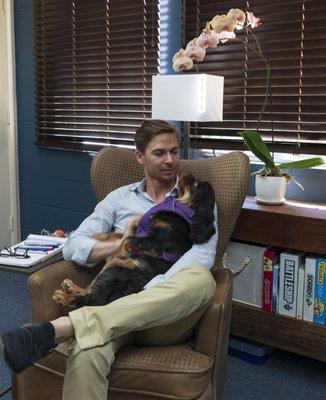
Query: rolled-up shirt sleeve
(199, 254)
(80, 243)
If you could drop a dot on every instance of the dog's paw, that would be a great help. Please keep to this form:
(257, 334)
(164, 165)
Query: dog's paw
(66, 286)
(63, 298)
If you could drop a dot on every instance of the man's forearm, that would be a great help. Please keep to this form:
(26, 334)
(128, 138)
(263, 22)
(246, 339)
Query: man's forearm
(101, 250)
(104, 249)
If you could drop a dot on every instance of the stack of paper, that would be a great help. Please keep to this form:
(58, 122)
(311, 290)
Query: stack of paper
(52, 245)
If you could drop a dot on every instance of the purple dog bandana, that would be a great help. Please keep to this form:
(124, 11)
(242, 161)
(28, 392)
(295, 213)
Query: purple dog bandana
(169, 204)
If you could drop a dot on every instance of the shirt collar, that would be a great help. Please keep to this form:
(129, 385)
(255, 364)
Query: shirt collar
(140, 186)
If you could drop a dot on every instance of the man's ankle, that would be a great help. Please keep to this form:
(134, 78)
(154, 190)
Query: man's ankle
(63, 329)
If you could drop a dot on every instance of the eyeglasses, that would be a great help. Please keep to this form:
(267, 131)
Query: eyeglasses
(17, 253)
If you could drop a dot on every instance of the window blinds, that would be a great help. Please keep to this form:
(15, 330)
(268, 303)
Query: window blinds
(294, 34)
(93, 66)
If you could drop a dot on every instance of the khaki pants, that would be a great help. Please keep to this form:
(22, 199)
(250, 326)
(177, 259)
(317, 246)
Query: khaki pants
(101, 331)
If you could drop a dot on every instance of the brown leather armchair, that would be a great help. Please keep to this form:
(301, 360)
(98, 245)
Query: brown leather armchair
(192, 370)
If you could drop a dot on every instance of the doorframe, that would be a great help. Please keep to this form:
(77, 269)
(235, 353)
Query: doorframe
(12, 123)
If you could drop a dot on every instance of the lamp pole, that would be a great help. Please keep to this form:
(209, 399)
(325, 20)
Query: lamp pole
(186, 139)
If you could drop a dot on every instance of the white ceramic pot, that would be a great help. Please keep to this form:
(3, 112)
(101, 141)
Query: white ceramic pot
(270, 189)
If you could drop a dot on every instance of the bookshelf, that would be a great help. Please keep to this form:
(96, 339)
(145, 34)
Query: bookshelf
(293, 225)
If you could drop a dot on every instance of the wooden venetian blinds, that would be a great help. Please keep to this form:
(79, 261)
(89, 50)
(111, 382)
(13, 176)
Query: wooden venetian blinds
(93, 66)
(294, 34)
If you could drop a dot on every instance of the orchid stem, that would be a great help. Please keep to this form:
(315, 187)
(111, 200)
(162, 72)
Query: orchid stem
(269, 85)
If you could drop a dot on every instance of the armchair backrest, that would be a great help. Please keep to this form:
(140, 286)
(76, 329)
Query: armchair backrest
(113, 167)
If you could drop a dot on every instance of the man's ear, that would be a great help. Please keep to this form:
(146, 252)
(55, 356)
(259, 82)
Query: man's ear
(140, 157)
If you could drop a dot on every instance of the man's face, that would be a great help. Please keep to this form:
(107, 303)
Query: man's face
(161, 158)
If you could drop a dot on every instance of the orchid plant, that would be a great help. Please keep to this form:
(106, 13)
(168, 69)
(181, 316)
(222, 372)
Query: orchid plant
(219, 30)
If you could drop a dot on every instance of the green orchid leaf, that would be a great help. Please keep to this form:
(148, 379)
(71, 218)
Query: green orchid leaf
(256, 145)
(303, 164)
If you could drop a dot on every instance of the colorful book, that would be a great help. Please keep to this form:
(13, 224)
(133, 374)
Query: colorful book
(309, 288)
(300, 291)
(289, 272)
(271, 258)
(320, 292)
(276, 288)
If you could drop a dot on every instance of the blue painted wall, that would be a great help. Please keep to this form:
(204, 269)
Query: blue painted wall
(55, 190)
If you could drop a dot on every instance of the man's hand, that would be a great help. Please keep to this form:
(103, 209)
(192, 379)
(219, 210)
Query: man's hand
(131, 226)
(102, 250)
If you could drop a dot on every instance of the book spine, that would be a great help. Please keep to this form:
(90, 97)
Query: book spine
(267, 280)
(276, 287)
(309, 289)
(271, 256)
(300, 291)
(320, 292)
(288, 284)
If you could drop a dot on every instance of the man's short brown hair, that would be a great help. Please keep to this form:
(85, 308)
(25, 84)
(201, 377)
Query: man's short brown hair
(149, 129)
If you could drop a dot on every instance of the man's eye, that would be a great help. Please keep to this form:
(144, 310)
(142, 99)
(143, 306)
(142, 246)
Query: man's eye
(158, 153)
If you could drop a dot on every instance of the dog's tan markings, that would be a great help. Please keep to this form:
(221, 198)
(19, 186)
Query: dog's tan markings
(107, 236)
(63, 298)
(186, 188)
(125, 248)
(125, 263)
(66, 299)
(148, 253)
(159, 223)
(70, 287)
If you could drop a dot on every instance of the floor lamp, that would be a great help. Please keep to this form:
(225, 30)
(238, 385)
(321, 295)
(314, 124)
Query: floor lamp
(187, 98)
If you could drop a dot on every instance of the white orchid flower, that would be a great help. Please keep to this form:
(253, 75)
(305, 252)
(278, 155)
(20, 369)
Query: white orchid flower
(222, 23)
(238, 16)
(208, 38)
(181, 62)
(195, 52)
(224, 36)
(252, 20)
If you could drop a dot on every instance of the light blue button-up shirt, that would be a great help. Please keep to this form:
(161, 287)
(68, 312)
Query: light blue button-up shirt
(112, 213)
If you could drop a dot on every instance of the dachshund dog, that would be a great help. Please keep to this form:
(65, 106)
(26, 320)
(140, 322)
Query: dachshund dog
(163, 235)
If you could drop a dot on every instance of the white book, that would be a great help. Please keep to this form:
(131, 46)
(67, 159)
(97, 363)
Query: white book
(300, 294)
(44, 240)
(309, 288)
(248, 284)
(289, 271)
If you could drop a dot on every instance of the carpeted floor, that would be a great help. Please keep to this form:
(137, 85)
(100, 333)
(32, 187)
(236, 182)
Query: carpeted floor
(284, 376)
(14, 311)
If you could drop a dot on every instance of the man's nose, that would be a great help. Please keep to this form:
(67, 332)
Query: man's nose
(168, 158)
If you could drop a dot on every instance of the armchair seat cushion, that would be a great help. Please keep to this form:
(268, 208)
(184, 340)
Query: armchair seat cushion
(175, 371)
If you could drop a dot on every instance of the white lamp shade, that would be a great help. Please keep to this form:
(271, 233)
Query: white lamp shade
(188, 97)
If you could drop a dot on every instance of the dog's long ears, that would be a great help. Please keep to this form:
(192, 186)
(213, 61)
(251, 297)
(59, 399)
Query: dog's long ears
(203, 204)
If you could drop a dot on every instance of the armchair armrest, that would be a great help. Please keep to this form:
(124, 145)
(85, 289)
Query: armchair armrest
(45, 281)
(215, 323)
(213, 331)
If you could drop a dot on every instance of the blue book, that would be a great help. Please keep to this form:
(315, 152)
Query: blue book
(320, 292)
(276, 287)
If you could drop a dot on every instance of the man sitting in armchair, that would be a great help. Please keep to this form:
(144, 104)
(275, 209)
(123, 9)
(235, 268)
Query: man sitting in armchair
(183, 293)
